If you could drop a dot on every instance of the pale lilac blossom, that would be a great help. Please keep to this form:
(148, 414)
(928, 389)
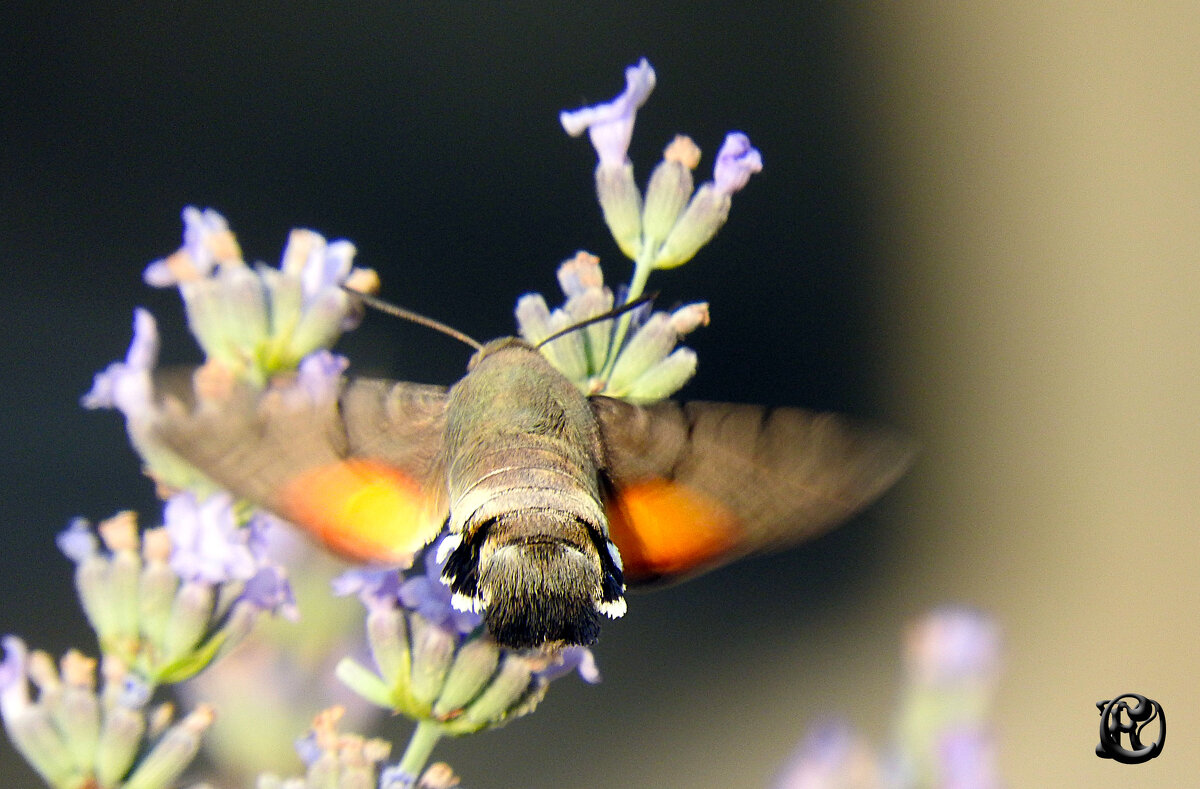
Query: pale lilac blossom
(127, 385)
(610, 125)
(736, 162)
(207, 542)
(269, 590)
(207, 240)
(78, 542)
(953, 644)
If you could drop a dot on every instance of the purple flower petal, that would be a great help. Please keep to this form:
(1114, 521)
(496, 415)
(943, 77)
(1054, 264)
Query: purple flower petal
(429, 596)
(78, 542)
(967, 759)
(736, 162)
(610, 125)
(308, 749)
(12, 668)
(573, 658)
(127, 385)
(327, 266)
(395, 778)
(320, 374)
(269, 590)
(831, 756)
(206, 542)
(199, 229)
(14, 690)
(206, 239)
(953, 644)
(376, 587)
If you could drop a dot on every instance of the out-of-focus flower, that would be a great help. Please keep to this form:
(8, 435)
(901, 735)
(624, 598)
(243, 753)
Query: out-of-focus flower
(944, 730)
(207, 241)
(258, 322)
(645, 367)
(74, 736)
(128, 386)
(953, 645)
(167, 602)
(286, 669)
(832, 756)
(207, 544)
(943, 736)
(333, 760)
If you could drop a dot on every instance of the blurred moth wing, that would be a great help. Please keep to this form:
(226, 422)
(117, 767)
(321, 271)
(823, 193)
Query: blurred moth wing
(697, 485)
(554, 501)
(361, 471)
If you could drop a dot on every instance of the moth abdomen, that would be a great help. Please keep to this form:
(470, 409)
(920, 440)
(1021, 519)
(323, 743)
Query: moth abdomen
(538, 576)
(541, 591)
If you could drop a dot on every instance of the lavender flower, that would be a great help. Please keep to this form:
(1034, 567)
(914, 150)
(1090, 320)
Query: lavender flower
(430, 597)
(610, 125)
(207, 543)
(643, 368)
(832, 756)
(128, 386)
(943, 734)
(261, 322)
(207, 240)
(953, 645)
(166, 603)
(438, 665)
(665, 232)
(736, 162)
(74, 736)
(709, 206)
(333, 760)
(662, 233)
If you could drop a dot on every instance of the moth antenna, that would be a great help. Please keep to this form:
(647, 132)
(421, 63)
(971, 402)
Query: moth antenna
(624, 308)
(414, 317)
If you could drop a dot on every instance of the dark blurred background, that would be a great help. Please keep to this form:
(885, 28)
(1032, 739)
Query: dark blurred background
(955, 208)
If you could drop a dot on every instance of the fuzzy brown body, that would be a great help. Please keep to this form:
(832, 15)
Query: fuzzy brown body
(523, 458)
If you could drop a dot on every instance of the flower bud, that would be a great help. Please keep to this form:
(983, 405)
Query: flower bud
(174, 751)
(703, 217)
(668, 191)
(621, 202)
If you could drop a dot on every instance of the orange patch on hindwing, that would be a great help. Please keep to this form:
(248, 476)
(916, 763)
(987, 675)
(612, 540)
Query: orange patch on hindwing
(361, 509)
(663, 528)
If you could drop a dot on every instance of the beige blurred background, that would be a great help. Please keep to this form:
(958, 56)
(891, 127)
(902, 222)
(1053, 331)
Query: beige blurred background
(1037, 179)
(1043, 196)
(1040, 185)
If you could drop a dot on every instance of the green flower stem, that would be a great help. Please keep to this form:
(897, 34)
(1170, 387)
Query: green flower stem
(641, 272)
(420, 746)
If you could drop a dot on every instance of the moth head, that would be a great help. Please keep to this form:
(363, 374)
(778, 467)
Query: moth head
(539, 577)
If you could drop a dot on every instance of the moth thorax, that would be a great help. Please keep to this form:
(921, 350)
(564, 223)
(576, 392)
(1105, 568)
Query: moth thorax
(542, 579)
